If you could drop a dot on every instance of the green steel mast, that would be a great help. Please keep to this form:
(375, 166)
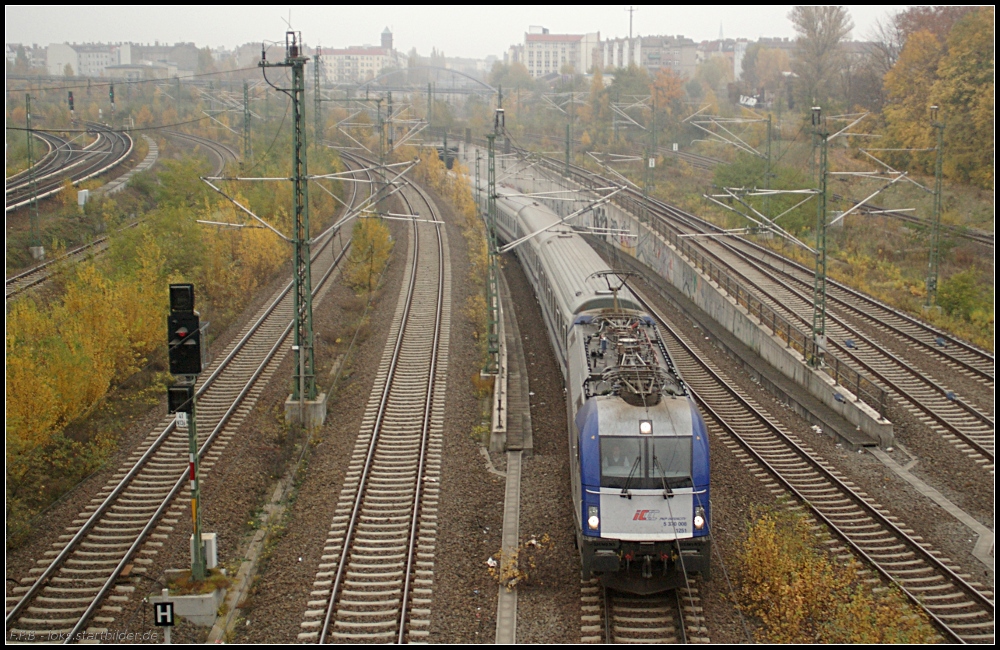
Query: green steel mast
(304, 386)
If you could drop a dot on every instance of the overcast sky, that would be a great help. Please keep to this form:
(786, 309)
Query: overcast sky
(467, 31)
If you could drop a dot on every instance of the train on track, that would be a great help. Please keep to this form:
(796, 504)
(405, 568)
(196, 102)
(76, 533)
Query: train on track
(638, 445)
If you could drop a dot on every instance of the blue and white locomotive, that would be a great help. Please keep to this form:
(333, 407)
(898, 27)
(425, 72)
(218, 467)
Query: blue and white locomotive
(640, 466)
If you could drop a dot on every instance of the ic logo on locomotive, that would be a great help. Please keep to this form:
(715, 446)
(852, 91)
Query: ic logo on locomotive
(645, 515)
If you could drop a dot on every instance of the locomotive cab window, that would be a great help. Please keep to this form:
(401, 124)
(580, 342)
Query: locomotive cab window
(645, 463)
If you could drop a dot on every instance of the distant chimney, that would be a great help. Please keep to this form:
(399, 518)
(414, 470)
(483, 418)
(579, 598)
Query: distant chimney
(386, 39)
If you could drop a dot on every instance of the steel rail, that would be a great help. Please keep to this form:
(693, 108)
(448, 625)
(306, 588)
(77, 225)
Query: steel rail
(901, 365)
(425, 427)
(13, 184)
(220, 150)
(57, 562)
(74, 158)
(141, 462)
(122, 138)
(668, 211)
(966, 438)
(380, 416)
(806, 279)
(819, 468)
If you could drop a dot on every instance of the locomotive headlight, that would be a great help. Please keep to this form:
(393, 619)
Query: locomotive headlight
(645, 427)
(592, 519)
(699, 518)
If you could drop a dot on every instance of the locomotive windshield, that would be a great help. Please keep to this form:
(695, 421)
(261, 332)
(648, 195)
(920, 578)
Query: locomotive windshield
(645, 463)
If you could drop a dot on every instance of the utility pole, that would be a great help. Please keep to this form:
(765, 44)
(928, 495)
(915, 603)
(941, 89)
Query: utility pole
(567, 149)
(317, 109)
(304, 386)
(932, 262)
(614, 118)
(479, 204)
(430, 105)
(650, 161)
(819, 285)
(36, 248)
(380, 127)
(492, 280)
(177, 92)
(390, 136)
(767, 172)
(247, 146)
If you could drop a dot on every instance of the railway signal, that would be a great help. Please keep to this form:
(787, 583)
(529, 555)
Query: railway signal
(180, 398)
(71, 101)
(184, 351)
(184, 343)
(183, 333)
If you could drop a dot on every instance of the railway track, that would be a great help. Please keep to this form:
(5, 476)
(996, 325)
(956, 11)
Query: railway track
(17, 284)
(58, 154)
(81, 582)
(671, 617)
(222, 153)
(109, 150)
(55, 147)
(21, 282)
(917, 381)
(962, 610)
(693, 159)
(978, 236)
(912, 370)
(954, 353)
(376, 579)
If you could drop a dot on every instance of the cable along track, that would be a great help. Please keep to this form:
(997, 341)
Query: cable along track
(375, 579)
(128, 520)
(961, 609)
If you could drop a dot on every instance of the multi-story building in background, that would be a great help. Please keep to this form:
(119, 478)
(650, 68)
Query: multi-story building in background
(546, 53)
(514, 54)
(34, 55)
(651, 52)
(359, 63)
(95, 59)
(85, 60)
(183, 56)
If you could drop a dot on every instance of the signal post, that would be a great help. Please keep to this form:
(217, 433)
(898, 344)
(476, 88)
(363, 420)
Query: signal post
(184, 348)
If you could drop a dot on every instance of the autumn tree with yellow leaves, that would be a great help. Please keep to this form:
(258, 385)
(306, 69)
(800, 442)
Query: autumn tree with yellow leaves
(954, 72)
